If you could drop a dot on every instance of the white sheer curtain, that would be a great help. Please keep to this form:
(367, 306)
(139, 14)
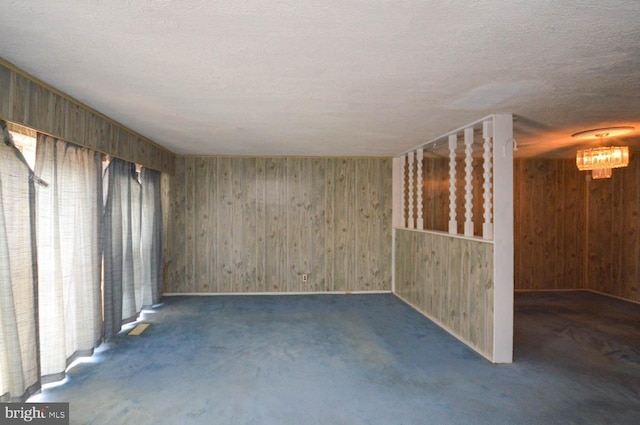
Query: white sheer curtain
(19, 366)
(122, 260)
(69, 213)
(51, 297)
(132, 243)
(151, 236)
(132, 293)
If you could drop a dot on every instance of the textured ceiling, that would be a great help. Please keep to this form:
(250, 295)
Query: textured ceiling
(336, 77)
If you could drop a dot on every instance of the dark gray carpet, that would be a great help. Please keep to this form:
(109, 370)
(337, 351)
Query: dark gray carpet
(359, 359)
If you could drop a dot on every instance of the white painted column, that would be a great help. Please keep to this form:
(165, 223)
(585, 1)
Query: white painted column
(398, 176)
(468, 177)
(420, 188)
(487, 225)
(453, 144)
(397, 211)
(411, 220)
(503, 238)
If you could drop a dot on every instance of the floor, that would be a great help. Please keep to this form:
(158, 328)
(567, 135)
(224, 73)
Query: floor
(359, 359)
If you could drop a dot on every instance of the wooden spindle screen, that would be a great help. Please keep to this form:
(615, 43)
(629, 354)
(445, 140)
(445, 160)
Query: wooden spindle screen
(467, 163)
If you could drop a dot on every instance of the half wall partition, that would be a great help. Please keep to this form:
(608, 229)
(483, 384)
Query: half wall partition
(453, 233)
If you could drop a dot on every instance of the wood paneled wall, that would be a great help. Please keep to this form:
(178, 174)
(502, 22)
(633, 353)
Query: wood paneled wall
(613, 228)
(574, 234)
(450, 280)
(26, 101)
(243, 225)
(549, 234)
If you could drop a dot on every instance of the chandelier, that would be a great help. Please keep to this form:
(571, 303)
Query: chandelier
(601, 160)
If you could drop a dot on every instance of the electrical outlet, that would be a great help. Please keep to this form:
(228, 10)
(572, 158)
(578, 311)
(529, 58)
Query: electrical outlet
(305, 277)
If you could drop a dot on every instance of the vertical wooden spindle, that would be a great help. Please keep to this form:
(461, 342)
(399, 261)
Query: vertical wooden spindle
(412, 222)
(420, 188)
(399, 186)
(453, 144)
(468, 176)
(487, 225)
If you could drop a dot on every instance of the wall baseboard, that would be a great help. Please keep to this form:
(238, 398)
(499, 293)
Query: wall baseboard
(208, 294)
(548, 290)
(580, 290)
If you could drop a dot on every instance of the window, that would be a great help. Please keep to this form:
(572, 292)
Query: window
(25, 140)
